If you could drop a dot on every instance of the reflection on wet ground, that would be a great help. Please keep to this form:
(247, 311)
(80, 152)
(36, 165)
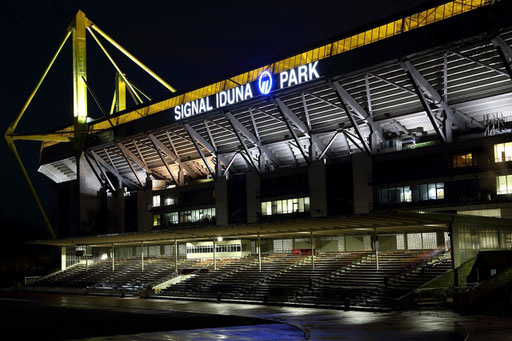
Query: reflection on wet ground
(319, 324)
(275, 331)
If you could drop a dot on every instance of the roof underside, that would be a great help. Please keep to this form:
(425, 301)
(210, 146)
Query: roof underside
(392, 222)
(477, 86)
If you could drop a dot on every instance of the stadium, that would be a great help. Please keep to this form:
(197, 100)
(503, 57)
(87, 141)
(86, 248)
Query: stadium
(369, 172)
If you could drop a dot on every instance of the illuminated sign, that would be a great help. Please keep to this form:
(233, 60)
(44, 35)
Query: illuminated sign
(265, 82)
(263, 85)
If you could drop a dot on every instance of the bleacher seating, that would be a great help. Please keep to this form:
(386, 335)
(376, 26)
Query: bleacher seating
(127, 275)
(338, 278)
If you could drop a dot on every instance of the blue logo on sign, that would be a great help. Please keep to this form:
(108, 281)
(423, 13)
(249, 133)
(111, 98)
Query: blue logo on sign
(265, 82)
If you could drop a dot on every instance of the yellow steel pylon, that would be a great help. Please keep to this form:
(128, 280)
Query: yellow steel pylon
(78, 28)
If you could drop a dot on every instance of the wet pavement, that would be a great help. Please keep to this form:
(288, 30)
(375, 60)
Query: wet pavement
(291, 323)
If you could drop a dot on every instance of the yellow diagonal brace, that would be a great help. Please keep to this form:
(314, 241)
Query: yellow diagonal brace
(115, 65)
(42, 137)
(132, 57)
(12, 147)
(14, 123)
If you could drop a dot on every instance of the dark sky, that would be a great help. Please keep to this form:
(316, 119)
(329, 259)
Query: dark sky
(188, 43)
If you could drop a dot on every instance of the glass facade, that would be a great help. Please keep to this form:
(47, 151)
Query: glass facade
(191, 216)
(285, 206)
(413, 193)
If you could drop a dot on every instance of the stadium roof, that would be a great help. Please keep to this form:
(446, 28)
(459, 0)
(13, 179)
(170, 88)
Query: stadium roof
(365, 86)
(391, 222)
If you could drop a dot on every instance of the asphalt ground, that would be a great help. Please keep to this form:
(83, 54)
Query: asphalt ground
(58, 317)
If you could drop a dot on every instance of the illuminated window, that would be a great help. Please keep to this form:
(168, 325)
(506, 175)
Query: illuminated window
(169, 200)
(156, 219)
(504, 184)
(285, 206)
(414, 193)
(156, 200)
(192, 216)
(171, 218)
(503, 152)
(463, 160)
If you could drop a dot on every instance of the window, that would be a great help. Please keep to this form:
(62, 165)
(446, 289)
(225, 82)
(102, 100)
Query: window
(169, 200)
(171, 218)
(285, 206)
(218, 248)
(156, 219)
(400, 242)
(463, 160)
(192, 216)
(156, 200)
(503, 152)
(414, 193)
(504, 184)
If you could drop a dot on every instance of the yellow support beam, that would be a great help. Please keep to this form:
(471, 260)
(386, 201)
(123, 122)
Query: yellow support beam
(12, 147)
(42, 137)
(120, 93)
(14, 123)
(115, 66)
(132, 57)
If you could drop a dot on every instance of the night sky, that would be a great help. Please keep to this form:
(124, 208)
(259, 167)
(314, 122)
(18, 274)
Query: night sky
(188, 43)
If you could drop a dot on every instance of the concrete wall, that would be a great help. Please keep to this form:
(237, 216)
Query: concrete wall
(221, 200)
(363, 191)
(354, 243)
(317, 188)
(324, 245)
(387, 243)
(252, 184)
(89, 197)
(144, 216)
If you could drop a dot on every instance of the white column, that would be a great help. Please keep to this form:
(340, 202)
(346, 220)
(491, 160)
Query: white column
(259, 253)
(312, 252)
(176, 255)
(214, 256)
(63, 258)
(376, 247)
(113, 260)
(142, 256)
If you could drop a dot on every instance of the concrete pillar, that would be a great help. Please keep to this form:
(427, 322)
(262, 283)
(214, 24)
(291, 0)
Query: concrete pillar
(86, 260)
(120, 207)
(176, 256)
(142, 256)
(376, 247)
(63, 258)
(361, 175)
(252, 185)
(259, 252)
(113, 258)
(440, 239)
(455, 251)
(144, 216)
(312, 252)
(221, 200)
(317, 189)
(89, 201)
(214, 255)
(406, 245)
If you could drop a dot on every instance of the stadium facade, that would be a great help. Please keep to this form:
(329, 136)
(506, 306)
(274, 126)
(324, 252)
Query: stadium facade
(393, 137)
